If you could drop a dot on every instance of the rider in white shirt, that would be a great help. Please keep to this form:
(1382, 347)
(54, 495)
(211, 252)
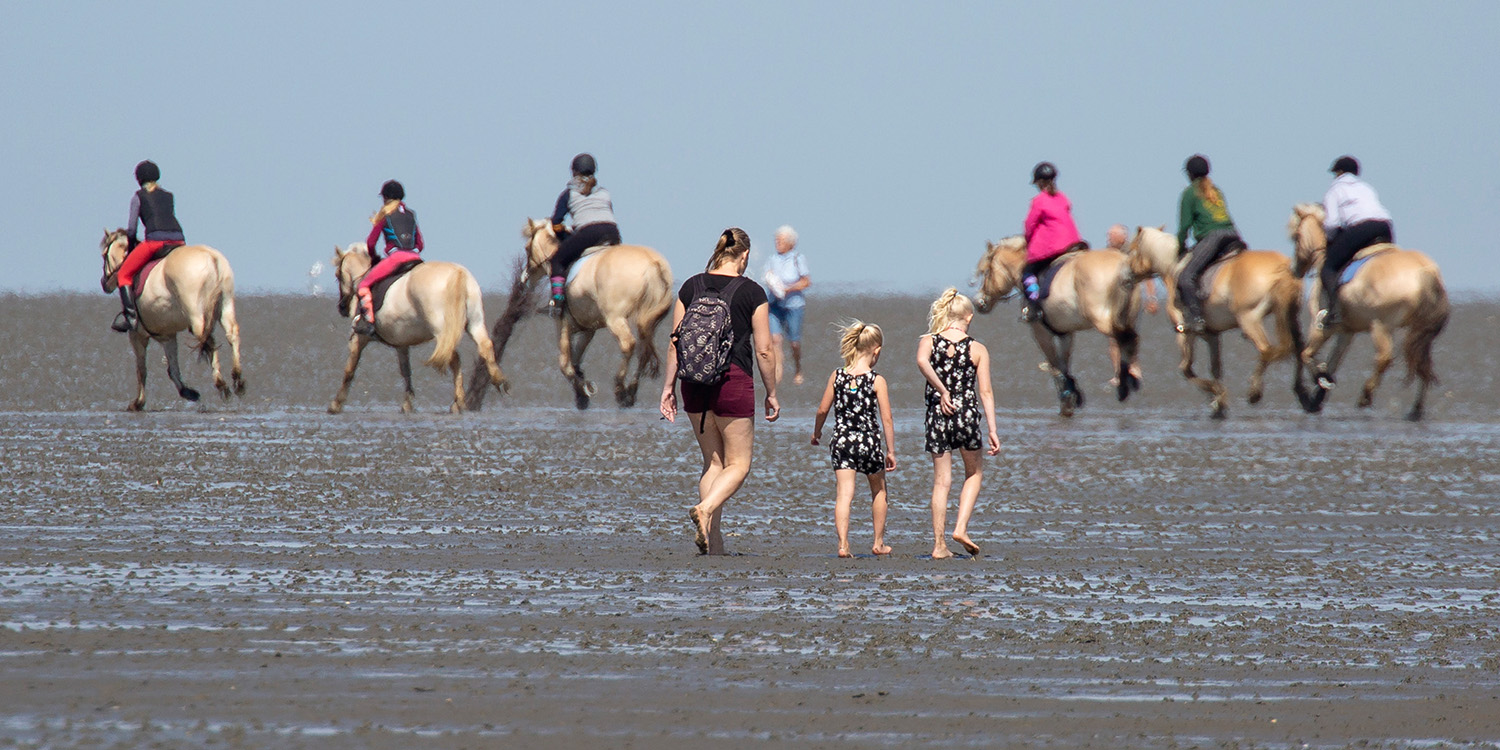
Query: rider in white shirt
(1354, 220)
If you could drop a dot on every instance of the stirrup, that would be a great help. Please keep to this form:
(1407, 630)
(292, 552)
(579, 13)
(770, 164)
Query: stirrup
(364, 327)
(1326, 319)
(555, 307)
(122, 323)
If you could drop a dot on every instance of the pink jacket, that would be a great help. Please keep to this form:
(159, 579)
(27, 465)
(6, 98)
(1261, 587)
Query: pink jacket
(1049, 227)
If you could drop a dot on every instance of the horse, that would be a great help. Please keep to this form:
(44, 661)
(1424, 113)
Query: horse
(624, 288)
(1395, 288)
(1093, 290)
(1245, 289)
(191, 290)
(435, 299)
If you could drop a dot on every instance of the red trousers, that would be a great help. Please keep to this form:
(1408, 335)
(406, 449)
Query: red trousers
(139, 257)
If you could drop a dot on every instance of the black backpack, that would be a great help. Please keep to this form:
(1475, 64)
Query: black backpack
(705, 336)
(402, 226)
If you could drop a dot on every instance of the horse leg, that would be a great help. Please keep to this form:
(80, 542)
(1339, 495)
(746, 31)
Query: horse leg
(1054, 366)
(138, 342)
(357, 346)
(1254, 329)
(1380, 335)
(231, 325)
(571, 345)
(1216, 369)
(1417, 407)
(624, 392)
(403, 362)
(458, 386)
(1307, 360)
(202, 329)
(169, 346)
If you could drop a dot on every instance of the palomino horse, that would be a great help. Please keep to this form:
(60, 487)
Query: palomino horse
(434, 300)
(1244, 289)
(1394, 289)
(191, 290)
(625, 288)
(1092, 290)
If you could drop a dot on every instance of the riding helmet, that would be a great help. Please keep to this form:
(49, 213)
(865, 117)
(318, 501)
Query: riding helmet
(1196, 166)
(583, 164)
(1043, 171)
(147, 171)
(1345, 163)
(392, 191)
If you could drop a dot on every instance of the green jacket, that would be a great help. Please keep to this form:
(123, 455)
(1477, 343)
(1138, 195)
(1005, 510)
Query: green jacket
(1200, 216)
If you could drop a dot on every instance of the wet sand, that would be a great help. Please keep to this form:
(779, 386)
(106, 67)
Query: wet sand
(257, 573)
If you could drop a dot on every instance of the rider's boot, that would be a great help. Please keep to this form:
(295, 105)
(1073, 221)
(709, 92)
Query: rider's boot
(364, 319)
(1192, 320)
(1327, 317)
(129, 316)
(555, 307)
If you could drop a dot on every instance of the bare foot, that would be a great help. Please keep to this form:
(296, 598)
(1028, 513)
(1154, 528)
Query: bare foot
(881, 549)
(844, 551)
(969, 546)
(699, 538)
(797, 379)
(941, 553)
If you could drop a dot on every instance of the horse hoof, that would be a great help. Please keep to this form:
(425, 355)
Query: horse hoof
(1254, 398)
(589, 389)
(581, 401)
(1415, 415)
(335, 408)
(189, 394)
(135, 406)
(1219, 411)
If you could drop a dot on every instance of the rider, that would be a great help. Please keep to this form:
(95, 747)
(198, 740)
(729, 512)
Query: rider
(1202, 210)
(1050, 232)
(1354, 220)
(403, 243)
(151, 206)
(593, 223)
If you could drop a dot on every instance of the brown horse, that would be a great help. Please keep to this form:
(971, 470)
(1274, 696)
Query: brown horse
(434, 300)
(1244, 290)
(1394, 289)
(624, 288)
(191, 290)
(1092, 290)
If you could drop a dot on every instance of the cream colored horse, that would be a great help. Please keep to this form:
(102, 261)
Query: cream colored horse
(624, 288)
(192, 289)
(1092, 290)
(1245, 289)
(1394, 289)
(434, 300)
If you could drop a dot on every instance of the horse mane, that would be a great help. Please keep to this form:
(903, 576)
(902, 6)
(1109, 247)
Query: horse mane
(1301, 211)
(532, 227)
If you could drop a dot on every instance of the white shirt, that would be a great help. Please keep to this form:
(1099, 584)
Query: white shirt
(782, 271)
(1350, 201)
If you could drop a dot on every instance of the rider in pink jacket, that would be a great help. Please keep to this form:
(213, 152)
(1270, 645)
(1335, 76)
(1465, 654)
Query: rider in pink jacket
(1050, 232)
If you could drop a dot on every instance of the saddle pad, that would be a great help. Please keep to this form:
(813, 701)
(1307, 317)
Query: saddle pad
(1044, 279)
(156, 259)
(379, 288)
(1360, 258)
(585, 259)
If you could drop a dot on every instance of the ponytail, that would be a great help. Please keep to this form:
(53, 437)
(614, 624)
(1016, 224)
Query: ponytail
(733, 242)
(1204, 187)
(859, 338)
(585, 183)
(949, 306)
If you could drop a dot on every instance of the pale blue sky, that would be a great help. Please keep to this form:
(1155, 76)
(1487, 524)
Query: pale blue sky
(896, 137)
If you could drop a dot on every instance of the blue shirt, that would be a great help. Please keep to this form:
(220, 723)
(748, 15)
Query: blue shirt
(782, 271)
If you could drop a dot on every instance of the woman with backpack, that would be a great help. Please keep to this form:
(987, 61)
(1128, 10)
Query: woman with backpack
(720, 329)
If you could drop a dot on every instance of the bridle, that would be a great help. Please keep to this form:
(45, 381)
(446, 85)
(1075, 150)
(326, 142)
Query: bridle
(533, 264)
(112, 238)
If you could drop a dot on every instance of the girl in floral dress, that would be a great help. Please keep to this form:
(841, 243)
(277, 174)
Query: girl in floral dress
(863, 432)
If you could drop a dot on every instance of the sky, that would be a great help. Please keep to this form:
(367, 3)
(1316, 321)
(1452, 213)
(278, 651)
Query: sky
(895, 137)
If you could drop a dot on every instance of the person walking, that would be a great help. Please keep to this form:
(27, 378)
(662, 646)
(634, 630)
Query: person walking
(864, 435)
(786, 279)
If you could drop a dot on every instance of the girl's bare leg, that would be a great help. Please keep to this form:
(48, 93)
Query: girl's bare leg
(877, 512)
(967, 497)
(843, 498)
(942, 481)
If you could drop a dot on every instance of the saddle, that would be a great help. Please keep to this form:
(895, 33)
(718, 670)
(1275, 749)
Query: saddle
(1044, 279)
(1206, 281)
(379, 288)
(156, 259)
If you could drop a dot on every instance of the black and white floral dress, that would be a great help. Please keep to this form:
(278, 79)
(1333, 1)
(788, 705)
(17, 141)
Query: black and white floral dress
(960, 430)
(858, 442)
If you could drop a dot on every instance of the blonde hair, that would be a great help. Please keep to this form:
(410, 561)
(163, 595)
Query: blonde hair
(733, 242)
(859, 338)
(949, 306)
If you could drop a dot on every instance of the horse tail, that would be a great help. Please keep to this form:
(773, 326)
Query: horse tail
(455, 320)
(223, 284)
(656, 308)
(1127, 340)
(1429, 317)
(1286, 294)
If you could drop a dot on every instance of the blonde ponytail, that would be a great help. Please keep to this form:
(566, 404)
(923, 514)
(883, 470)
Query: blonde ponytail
(859, 338)
(949, 306)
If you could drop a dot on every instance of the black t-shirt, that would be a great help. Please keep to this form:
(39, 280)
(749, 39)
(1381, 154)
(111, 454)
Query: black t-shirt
(748, 296)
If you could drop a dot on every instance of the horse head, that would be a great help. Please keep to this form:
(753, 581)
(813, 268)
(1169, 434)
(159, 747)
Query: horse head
(1305, 228)
(1151, 252)
(112, 250)
(349, 264)
(541, 244)
(999, 271)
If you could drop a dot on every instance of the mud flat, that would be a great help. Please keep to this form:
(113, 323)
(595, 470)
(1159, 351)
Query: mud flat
(261, 574)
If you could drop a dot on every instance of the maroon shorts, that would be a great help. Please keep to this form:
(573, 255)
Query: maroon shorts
(732, 398)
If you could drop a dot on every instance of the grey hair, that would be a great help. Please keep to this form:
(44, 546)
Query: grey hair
(788, 232)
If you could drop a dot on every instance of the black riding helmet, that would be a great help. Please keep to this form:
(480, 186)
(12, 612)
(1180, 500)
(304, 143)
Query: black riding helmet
(1043, 171)
(1196, 166)
(1345, 163)
(392, 191)
(583, 164)
(147, 171)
